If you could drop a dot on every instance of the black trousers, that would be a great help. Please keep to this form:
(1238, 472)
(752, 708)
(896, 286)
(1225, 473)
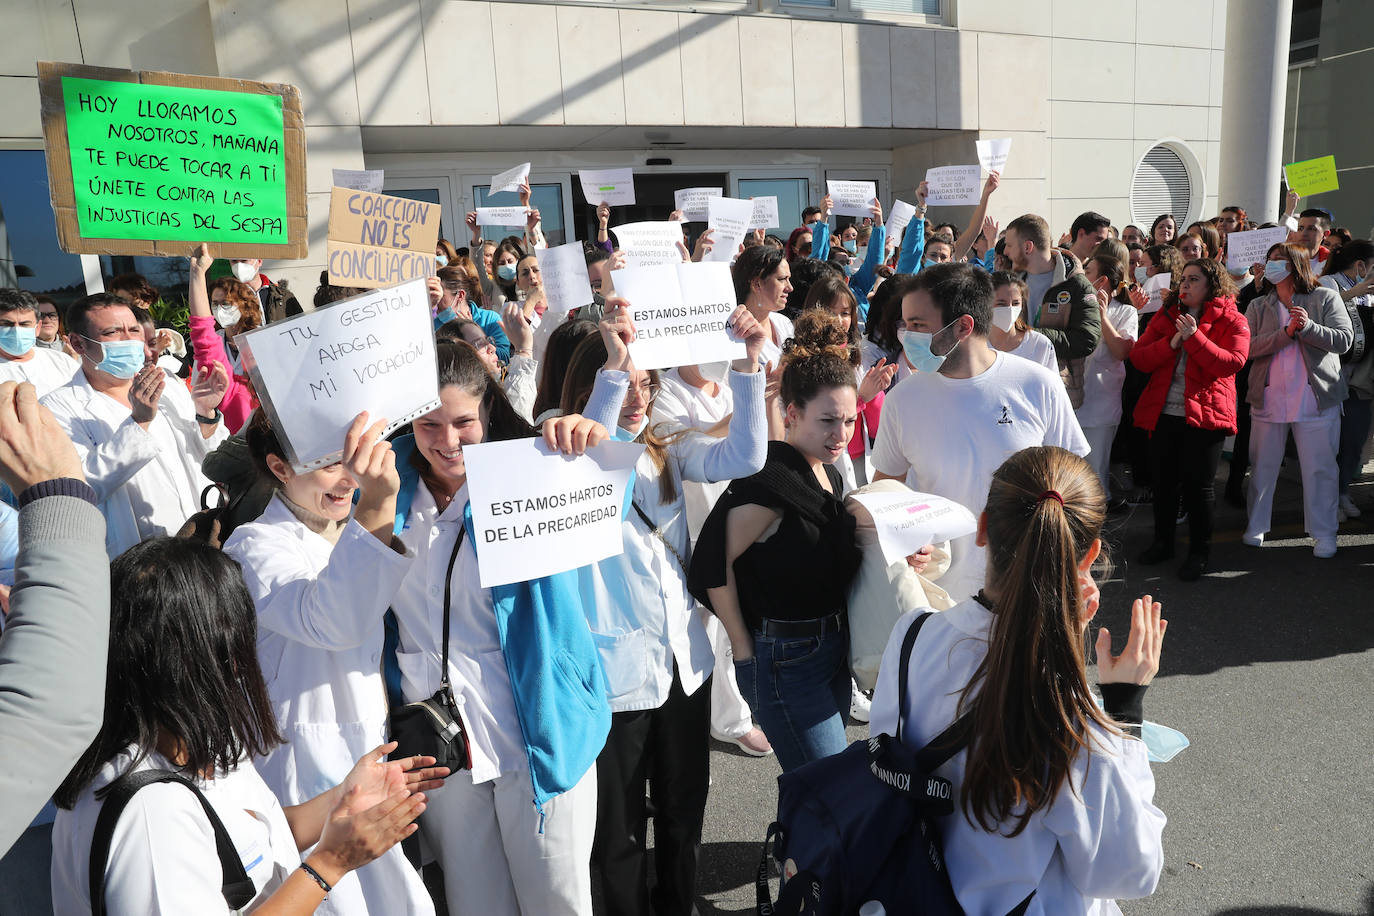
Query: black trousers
(1132, 444)
(1240, 452)
(667, 747)
(1184, 461)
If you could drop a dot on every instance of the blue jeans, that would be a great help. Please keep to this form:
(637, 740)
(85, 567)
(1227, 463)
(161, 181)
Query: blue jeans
(1354, 430)
(798, 688)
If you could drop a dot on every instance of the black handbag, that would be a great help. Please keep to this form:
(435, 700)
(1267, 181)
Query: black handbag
(432, 727)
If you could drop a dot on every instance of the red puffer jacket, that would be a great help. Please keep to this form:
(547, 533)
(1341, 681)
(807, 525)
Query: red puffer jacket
(1216, 353)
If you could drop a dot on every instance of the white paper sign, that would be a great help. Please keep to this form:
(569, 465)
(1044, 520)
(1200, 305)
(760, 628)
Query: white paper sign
(563, 271)
(359, 179)
(992, 154)
(852, 198)
(510, 179)
(693, 201)
(501, 216)
(537, 512)
(316, 371)
(954, 185)
(907, 521)
(729, 218)
(1246, 248)
(897, 219)
(649, 244)
(612, 186)
(679, 313)
(765, 213)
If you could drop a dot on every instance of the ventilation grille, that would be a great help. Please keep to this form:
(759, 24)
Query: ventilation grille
(1161, 185)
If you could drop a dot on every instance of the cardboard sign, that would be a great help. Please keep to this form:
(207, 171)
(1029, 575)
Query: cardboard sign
(992, 154)
(316, 371)
(852, 198)
(649, 244)
(1246, 248)
(679, 311)
(537, 512)
(954, 186)
(908, 521)
(563, 271)
(510, 179)
(501, 216)
(1312, 176)
(145, 163)
(765, 213)
(376, 240)
(729, 217)
(898, 218)
(360, 179)
(610, 186)
(693, 202)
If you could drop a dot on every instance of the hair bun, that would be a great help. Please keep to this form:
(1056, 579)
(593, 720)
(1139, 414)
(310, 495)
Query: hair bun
(817, 333)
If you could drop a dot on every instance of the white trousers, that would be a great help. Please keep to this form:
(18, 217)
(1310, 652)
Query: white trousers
(1100, 442)
(730, 714)
(495, 860)
(1317, 441)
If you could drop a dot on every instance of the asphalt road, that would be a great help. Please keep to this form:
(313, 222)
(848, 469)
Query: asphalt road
(1268, 668)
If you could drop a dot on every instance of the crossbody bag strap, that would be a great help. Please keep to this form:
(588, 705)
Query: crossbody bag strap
(950, 741)
(238, 889)
(448, 601)
(654, 530)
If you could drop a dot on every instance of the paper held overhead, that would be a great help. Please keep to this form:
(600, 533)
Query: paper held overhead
(501, 216)
(649, 244)
(679, 311)
(609, 186)
(729, 218)
(510, 179)
(765, 213)
(1312, 176)
(992, 154)
(693, 202)
(852, 198)
(1246, 248)
(377, 240)
(360, 179)
(954, 186)
(563, 271)
(897, 219)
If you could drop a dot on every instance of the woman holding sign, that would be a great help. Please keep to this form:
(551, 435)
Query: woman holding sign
(514, 831)
(652, 637)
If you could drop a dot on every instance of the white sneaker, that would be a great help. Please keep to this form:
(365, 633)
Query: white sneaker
(1252, 540)
(753, 742)
(1325, 549)
(1348, 507)
(860, 706)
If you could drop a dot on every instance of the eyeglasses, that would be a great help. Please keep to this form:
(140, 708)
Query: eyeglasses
(649, 390)
(482, 343)
(453, 287)
(47, 316)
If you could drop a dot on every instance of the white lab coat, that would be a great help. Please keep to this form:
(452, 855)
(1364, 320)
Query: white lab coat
(148, 481)
(320, 630)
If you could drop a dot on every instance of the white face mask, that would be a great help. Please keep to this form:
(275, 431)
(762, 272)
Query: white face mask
(244, 271)
(226, 315)
(714, 372)
(1004, 317)
(1141, 275)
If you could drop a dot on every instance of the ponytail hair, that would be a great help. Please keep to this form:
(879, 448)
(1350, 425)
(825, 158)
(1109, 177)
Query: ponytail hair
(817, 358)
(1030, 701)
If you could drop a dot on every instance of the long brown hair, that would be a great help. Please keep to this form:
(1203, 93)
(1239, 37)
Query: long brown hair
(1299, 265)
(1031, 705)
(829, 288)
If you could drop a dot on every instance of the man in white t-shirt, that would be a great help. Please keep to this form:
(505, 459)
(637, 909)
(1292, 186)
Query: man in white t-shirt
(967, 408)
(21, 360)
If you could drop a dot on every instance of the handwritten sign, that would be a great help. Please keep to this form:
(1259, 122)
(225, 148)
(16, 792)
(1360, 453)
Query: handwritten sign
(501, 216)
(537, 512)
(679, 312)
(360, 179)
(765, 213)
(563, 271)
(1246, 248)
(315, 371)
(906, 521)
(992, 154)
(151, 163)
(1312, 176)
(898, 218)
(611, 186)
(692, 202)
(954, 186)
(649, 244)
(376, 240)
(729, 218)
(510, 179)
(852, 198)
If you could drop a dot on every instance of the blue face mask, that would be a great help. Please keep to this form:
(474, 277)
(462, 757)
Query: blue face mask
(441, 260)
(916, 346)
(1275, 271)
(18, 341)
(506, 272)
(446, 316)
(121, 358)
(851, 246)
(851, 269)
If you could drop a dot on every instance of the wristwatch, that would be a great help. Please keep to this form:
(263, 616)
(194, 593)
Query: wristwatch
(210, 420)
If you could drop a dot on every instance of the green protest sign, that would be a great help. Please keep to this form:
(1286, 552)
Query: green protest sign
(153, 163)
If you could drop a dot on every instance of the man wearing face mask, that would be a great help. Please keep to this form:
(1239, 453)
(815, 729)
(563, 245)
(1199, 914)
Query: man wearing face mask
(21, 360)
(140, 434)
(1004, 404)
(277, 301)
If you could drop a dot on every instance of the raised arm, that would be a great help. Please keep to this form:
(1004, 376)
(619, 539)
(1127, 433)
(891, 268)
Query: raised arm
(975, 223)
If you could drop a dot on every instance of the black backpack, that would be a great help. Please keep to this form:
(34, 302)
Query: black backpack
(860, 825)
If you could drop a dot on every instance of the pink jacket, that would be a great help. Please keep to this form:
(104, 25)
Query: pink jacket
(239, 402)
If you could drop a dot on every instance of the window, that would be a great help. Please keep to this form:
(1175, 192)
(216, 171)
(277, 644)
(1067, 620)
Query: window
(793, 194)
(927, 10)
(1167, 180)
(1305, 38)
(546, 198)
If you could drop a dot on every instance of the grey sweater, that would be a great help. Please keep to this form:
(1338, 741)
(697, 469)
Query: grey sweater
(1323, 339)
(52, 654)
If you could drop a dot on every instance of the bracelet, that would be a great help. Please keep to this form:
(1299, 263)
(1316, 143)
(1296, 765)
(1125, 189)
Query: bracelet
(324, 885)
(210, 420)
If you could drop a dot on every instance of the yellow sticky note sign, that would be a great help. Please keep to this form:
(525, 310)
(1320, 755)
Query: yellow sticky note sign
(1312, 176)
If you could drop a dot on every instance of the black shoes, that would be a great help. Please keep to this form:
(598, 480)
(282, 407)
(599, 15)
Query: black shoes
(1156, 553)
